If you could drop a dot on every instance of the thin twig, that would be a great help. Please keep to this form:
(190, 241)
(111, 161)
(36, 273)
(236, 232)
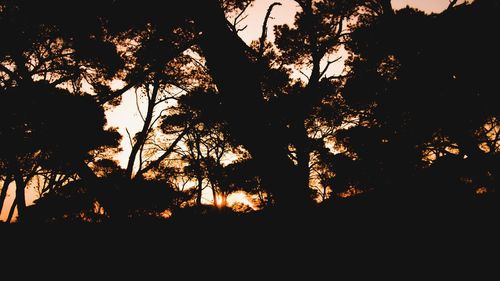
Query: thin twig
(328, 65)
(137, 105)
(129, 137)
(305, 75)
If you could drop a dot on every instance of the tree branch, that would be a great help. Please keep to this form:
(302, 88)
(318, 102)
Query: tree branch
(42, 61)
(137, 105)
(117, 93)
(136, 82)
(328, 66)
(157, 162)
(143, 134)
(129, 137)
(305, 75)
(156, 119)
(338, 76)
(166, 99)
(264, 28)
(452, 4)
(64, 79)
(238, 19)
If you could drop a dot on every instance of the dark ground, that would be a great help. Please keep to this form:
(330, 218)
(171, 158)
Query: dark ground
(403, 239)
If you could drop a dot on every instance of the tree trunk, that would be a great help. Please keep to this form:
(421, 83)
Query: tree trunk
(20, 197)
(387, 7)
(214, 194)
(307, 100)
(244, 107)
(144, 132)
(303, 156)
(11, 211)
(223, 203)
(199, 190)
(3, 193)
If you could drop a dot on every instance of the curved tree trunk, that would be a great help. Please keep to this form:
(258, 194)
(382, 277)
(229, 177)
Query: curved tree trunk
(143, 134)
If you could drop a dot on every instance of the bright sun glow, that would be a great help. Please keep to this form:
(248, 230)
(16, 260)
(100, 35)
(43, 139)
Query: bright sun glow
(239, 197)
(219, 201)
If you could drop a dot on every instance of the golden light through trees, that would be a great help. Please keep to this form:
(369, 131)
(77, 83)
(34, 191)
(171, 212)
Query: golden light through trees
(196, 113)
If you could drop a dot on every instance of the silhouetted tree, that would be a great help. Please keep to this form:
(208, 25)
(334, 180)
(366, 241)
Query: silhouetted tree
(206, 142)
(47, 128)
(423, 112)
(164, 81)
(406, 115)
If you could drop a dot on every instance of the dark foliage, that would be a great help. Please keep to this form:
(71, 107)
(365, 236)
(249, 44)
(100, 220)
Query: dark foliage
(411, 125)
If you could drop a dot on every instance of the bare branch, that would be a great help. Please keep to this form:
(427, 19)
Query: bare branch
(117, 93)
(238, 19)
(328, 66)
(340, 28)
(305, 75)
(129, 137)
(241, 29)
(138, 107)
(333, 77)
(263, 36)
(198, 63)
(141, 152)
(156, 119)
(452, 4)
(181, 87)
(166, 154)
(166, 99)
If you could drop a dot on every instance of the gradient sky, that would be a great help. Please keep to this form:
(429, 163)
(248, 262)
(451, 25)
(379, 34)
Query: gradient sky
(126, 116)
(284, 14)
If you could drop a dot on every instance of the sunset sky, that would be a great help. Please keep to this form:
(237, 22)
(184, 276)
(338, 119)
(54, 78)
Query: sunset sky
(126, 116)
(285, 13)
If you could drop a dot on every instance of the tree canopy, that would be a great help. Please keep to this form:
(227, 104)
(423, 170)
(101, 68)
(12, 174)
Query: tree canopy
(411, 116)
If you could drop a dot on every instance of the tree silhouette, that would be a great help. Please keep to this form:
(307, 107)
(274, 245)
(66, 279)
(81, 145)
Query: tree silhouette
(323, 39)
(352, 100)
(32, 129)
(206, 140)
(421, 112)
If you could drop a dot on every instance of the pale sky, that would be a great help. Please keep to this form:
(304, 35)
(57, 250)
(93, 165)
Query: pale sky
(285, 14)
(126, 116)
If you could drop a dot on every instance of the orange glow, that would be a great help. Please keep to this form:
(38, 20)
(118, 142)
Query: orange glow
(239, 197)
(219, 201)
(126, 118)
(481, 190)
(352, 191)
(98, 209)
(166, 214)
